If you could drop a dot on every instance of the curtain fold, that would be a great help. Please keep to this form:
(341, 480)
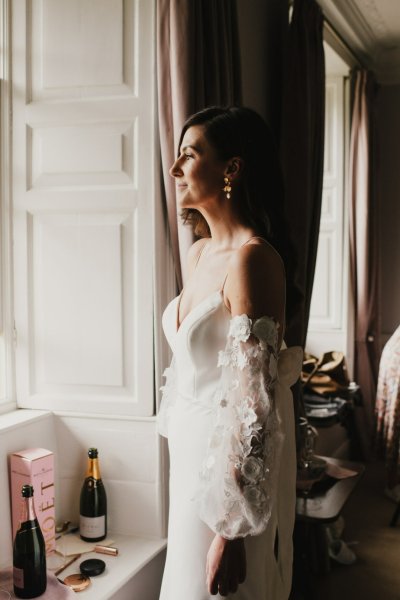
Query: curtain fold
(198, 65)
(364, 251)
(302, 154)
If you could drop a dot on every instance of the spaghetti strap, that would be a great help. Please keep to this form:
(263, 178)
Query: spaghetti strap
(178, 324)
(254, 237)
(201, 252)
(223, 284)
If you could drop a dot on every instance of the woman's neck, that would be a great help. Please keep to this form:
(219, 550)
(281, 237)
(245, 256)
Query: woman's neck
(226, 228)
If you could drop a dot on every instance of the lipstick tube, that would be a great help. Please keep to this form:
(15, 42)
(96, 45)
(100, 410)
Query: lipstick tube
(106, 550)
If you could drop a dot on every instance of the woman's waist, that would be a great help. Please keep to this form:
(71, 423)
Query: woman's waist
(192, 399)
(197, 385)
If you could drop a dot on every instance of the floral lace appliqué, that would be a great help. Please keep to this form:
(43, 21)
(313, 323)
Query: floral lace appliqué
(238, 471)
(168, 399)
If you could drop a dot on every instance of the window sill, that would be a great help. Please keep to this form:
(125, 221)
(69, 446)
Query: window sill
(134, 554)
(20, 416)
(7, 406)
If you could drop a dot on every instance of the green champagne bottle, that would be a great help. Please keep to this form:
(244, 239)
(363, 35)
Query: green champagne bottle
(29, 552)
(93, 503)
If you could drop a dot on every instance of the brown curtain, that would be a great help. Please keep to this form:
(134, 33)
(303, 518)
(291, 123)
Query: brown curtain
(302, 153)
(364, 251)
(198, 65)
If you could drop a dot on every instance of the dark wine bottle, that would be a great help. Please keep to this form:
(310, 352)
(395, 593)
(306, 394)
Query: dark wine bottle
(93, 504)
(29, 553)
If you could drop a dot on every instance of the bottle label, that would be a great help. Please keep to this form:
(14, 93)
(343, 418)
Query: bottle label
(18, 577)
(92, 527)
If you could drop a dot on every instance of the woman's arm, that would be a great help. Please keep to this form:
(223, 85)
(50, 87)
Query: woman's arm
(255, 285)
(239, 468)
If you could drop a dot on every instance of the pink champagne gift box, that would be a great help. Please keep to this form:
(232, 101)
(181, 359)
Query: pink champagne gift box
(34, 466)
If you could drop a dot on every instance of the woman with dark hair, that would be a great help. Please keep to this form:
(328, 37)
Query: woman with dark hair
(227, 409)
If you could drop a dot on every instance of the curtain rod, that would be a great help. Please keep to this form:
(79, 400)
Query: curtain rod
(344, 46)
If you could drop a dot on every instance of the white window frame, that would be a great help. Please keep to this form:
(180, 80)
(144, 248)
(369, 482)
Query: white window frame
(331, 330)
(7, 384)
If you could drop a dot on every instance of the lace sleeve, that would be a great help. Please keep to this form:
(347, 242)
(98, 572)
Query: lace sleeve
(238, 477)
(167, 400)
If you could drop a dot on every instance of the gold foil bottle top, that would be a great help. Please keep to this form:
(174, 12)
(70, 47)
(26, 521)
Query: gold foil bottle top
(93, 468)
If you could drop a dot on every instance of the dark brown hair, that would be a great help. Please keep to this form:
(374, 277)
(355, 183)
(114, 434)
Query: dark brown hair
(239, 131)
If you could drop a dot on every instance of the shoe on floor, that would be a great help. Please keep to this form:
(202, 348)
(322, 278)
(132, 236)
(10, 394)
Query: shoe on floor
(393, 493)
(335, 529)
(339, 551)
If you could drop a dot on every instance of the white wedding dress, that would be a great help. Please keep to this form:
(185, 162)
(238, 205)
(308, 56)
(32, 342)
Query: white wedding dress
(227, 411)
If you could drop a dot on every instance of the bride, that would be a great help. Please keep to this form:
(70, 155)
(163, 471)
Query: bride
(227, 409)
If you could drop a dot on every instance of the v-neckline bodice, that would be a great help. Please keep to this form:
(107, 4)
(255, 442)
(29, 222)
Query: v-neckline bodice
(220, 291)
(178, 326)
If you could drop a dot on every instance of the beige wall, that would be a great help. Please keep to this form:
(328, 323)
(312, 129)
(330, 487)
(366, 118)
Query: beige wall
(389, 204)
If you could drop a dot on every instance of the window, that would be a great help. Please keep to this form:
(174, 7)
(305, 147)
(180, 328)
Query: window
(328, 325)
(83, 201)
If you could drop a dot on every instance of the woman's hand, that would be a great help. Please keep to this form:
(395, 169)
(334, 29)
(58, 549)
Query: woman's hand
(226, 565)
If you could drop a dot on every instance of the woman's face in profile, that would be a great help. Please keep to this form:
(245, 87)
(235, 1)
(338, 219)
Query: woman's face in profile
(199, 173)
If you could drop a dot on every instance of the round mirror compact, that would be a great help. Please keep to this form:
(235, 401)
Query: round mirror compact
(77, 582)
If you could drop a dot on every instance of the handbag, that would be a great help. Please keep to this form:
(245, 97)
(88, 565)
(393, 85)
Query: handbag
(327, 376)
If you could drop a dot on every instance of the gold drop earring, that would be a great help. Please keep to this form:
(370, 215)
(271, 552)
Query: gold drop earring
(227, 189)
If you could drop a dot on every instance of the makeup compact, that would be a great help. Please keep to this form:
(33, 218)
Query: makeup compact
(88, 568)
(92, 567)
(77, 582)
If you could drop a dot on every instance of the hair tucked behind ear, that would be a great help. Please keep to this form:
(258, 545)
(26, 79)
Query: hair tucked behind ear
(240, 131)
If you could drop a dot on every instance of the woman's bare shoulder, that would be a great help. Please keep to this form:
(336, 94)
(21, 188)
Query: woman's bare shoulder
(255, 283)
(255, 256)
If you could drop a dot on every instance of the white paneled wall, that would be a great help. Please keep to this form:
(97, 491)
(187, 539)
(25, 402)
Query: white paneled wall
(147, 582)
(83, 191)
(110, 164)
(130, 467)
(129, 461)
(75, 351)
(65, 60)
